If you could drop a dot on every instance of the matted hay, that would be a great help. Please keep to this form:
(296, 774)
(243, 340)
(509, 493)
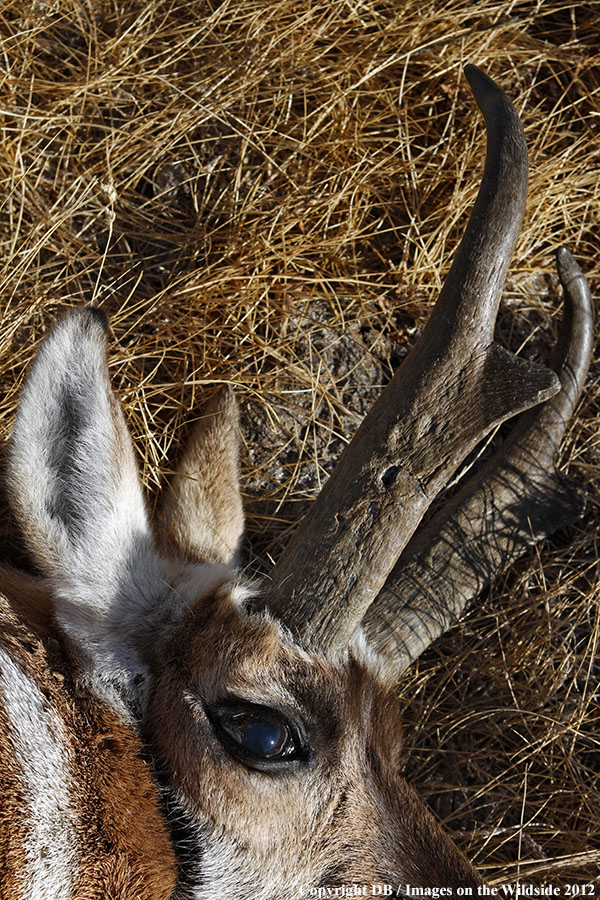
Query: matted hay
(269, 193)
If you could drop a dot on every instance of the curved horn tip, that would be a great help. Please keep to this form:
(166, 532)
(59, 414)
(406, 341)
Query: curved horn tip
(483, 87)
(576, 338)
(578, 297)
(568, 270)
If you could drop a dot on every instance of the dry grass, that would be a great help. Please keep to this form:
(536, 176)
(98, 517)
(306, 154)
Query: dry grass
(269, 193)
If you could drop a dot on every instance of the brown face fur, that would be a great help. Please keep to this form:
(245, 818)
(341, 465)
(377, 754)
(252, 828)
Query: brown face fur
(163, 635)
(123, 850)
(342, 816)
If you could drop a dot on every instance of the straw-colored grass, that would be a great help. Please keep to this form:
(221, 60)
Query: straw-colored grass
(269, 193)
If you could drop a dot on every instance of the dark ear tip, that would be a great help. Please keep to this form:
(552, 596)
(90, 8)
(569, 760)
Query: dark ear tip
(98, 316)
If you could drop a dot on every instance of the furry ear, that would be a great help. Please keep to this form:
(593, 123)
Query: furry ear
(73, 480)
(75, 490)
(201, 515)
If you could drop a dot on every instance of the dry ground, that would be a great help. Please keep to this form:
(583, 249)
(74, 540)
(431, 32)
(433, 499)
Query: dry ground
(269, 193)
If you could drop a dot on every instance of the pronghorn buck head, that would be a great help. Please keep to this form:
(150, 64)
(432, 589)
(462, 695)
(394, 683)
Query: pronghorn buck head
(272, 718)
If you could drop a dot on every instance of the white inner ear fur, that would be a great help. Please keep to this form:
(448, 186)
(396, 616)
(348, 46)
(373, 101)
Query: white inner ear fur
(75, 489)
(72, 474)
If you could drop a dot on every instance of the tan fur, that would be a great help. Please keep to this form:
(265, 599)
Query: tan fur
(126, 656)
(125, 849)
(29, 597)
(200, 514)
(349, 818)
(13, 829)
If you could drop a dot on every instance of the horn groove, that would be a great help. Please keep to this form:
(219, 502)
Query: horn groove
(450, 391)
(517, 498)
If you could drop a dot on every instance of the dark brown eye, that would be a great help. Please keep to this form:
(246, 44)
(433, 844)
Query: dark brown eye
(262, 736)
(258, 736)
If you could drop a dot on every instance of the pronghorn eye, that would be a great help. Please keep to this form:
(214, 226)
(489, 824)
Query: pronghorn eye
(258, 736)
(264, 737)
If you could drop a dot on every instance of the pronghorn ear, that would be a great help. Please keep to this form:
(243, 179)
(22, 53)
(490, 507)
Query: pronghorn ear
(72, 477)
(201, 516)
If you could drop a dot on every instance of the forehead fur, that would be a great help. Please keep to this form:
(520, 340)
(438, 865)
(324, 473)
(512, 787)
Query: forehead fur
(345, 815)
(223, 650)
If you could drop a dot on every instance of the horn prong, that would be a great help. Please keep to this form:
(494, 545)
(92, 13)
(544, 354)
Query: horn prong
(516, 498)
(450, 391)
